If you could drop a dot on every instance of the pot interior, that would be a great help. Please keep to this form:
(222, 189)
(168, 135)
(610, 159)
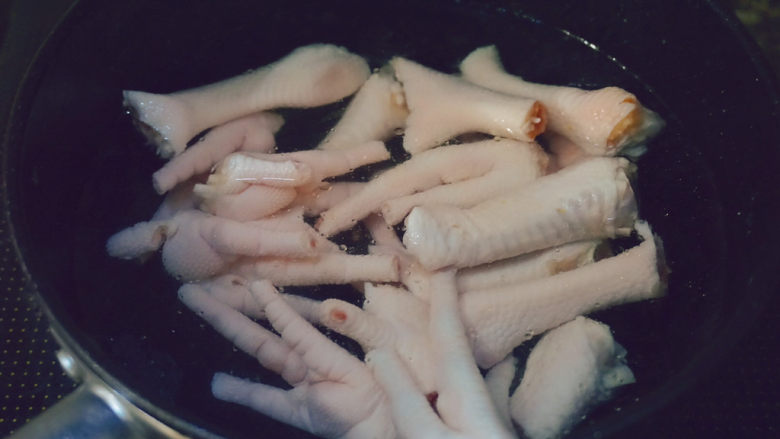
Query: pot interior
(78, 171)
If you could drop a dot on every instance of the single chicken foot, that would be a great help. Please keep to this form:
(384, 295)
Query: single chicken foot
(443, 106)
(602, 121)
(333, 395)
(309, 76)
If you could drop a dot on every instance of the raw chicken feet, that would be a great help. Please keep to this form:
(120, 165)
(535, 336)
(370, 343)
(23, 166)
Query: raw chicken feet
(336, 396)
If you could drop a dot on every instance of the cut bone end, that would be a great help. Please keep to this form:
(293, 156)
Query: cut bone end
(537, 118)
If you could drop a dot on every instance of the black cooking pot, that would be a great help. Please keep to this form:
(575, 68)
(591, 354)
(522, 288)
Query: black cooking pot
(76, 171)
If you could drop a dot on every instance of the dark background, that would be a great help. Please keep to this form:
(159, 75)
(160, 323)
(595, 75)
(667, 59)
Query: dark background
(740, 399)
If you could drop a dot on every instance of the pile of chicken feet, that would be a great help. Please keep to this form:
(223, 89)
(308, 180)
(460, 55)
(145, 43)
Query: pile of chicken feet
(499, 245)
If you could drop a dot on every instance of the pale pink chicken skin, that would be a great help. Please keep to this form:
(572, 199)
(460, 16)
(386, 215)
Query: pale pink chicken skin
(322, 164)
(323, 268)
(602, 121)
(244, 333)
(331, 163)
(573, 367)
(590, 200)
(465, 408)
(196, 245)
(250, 133)
(248, 186)
(381, 233)
(498, 381)
(291, 219)
(440, 166)
(180, 198)
(376, 111)
(254, 202)
(563, 152)
(309, 76)
(386, 242)
(391, 318)
(333, 395)
(529, 266)
(141, 240)
(499, 319)
(238, 171)
(234, 292)
(326, 196)
(443, 106)
(508, 174)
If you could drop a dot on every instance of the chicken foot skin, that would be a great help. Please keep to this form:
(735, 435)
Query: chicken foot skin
(465, 408)
(333, 395)
(391, 318)
(499, 319)
(572, 367)
(307, 77)
(443, 106)
(444, 165)
(196, 245)
(529, 266)
(376, 111)
(602, 121)
(589, 200)
(248, 186)
(324, 268)
(250, 133)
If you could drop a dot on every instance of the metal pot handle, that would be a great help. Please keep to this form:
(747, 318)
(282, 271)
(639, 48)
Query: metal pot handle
(92, 411)
(85, 413)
